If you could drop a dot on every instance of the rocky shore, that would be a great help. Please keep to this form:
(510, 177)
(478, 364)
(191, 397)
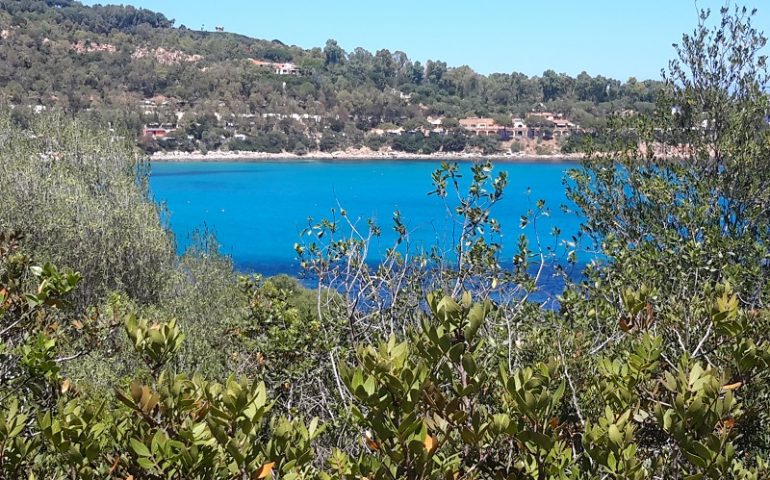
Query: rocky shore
(358, 154)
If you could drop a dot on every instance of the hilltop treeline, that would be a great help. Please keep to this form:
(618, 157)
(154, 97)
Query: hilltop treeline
(84, 59)
(98, 19)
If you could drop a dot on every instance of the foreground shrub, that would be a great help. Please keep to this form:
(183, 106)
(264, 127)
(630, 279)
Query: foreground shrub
(80, 196)
(174, 427)
(437, 404)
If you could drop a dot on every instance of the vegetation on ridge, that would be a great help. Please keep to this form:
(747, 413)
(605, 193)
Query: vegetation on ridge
(126, 67)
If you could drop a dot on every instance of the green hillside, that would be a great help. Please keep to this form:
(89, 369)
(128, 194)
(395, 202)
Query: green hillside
(129, 67)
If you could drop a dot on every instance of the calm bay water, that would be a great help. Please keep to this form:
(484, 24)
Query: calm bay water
(258, 210)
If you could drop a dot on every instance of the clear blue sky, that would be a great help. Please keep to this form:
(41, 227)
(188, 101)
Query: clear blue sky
(616, 38)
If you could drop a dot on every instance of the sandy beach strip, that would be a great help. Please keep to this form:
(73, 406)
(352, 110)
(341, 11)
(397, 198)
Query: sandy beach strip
(362, 155)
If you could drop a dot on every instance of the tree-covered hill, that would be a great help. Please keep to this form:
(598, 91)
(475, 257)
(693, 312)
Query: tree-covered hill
(129, 67)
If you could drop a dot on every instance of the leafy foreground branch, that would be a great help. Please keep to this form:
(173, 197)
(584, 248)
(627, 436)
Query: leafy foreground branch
(177, 427)
(431, 405)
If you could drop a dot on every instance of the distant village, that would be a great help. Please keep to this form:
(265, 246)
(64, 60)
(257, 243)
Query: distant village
(167, 123)
(539, 126)
(165, 120)
(552, 126)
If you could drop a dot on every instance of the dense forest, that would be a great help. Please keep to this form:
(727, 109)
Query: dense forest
(121, 359)
(125, 67)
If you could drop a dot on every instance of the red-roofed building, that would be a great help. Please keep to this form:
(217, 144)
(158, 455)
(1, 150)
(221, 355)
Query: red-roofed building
(155, 130)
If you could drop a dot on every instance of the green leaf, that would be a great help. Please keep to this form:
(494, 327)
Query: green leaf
(146, 463)
(139, 448)
(544, 442)
(369, 385)
(614, 434)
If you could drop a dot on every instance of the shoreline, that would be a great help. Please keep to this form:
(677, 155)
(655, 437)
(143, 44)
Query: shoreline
(355, 155)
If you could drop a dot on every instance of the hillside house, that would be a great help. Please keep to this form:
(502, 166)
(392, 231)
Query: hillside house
(148, 106)
(563, 127)
(286, 69)
(560, 126)
(158, 130)
(300, 117)
(305, 117)
(550, 116)
(519, 129)
(485, 127)
(278, 68)
(398, 131)
(436, 124)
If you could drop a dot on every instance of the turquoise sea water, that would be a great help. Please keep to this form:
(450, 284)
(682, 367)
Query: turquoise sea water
(258, 210)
